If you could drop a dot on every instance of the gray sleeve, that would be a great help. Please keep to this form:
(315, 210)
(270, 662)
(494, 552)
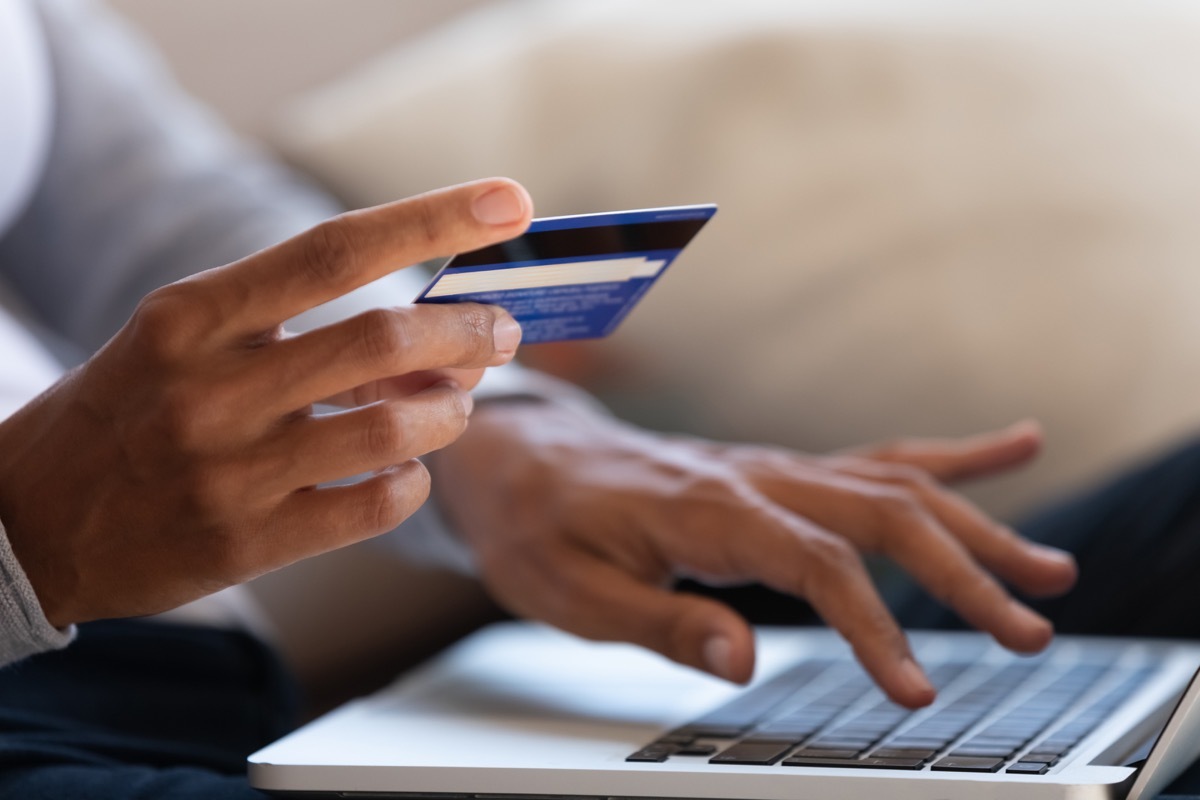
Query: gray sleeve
(143, 186)
(24, 629)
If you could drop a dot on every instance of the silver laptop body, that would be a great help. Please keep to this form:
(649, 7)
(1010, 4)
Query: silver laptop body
(522, 710)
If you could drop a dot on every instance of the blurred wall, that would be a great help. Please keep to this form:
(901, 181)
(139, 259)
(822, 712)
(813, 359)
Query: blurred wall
(247, 58)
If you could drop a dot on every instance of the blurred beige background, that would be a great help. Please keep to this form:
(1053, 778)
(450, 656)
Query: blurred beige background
(249, 58)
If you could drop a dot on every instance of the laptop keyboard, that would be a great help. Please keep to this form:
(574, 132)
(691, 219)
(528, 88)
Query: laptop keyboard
(1023, 715)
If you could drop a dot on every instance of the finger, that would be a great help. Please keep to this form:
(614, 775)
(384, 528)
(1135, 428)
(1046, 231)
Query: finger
(597, 600)
(825, 570)
(893, 520)
(405, 386)
(318, 449)
(379, 344)
(314, 521)
(951, 460)
(792, 555)
(916, 541)
(1035, 569)
(357, 247)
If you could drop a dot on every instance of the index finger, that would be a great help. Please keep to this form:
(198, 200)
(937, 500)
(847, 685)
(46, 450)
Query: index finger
(355, 248)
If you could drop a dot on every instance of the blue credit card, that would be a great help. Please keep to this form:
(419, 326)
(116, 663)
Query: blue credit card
(571, 277)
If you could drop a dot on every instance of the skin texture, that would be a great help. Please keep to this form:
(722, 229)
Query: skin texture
(585, 522)
(183, 457)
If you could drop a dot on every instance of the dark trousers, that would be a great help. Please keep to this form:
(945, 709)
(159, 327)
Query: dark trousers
(143, 710)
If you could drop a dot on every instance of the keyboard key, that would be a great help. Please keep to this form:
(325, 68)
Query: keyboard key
(1029, 768)
(675, 738)
(982, 752)
(814, 752)
(752, 705)
(749, 753)
(1003, 745)
(860, 763)
(903, 752)
(917, 743)
(696, 750)
(781, 733)
(653, 753)
(756, 738)
(965, 764)
(1047, 758)
(698, 731)
(843, 742)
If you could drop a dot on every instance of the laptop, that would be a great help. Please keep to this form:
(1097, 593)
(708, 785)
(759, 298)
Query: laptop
(521, 710)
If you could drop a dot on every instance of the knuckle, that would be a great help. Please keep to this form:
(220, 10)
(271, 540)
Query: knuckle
(477, 322)
(386, 431)
(393, 500)
(952, 591)
(908, 475)
(881, 625)
(453, 412)
(832, 556)
(383, 336)
(328, 254)
(425, 226)
(960, 586)
(896, 504)
(161, 323)
(707, 488)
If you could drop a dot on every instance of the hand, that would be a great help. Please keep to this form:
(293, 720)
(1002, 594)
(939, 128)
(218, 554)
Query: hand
(584, 522)
(183, 457)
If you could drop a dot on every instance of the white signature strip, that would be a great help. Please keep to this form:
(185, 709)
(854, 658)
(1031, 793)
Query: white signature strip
(567, 274)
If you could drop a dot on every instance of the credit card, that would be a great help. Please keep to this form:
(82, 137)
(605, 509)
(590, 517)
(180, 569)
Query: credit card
(571, 277)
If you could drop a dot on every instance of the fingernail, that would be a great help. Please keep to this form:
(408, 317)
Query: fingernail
(1040, 630)
(718, 656)
(1054, 554)
(1024, 426)
(506, 334)
(502, 206)
(468, 403)
(913, 678)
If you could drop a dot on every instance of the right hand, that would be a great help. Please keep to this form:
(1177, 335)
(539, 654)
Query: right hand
(585, 522)
(183, 457)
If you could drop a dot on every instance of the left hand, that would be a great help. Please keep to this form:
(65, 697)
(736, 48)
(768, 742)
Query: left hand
(584, 522)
